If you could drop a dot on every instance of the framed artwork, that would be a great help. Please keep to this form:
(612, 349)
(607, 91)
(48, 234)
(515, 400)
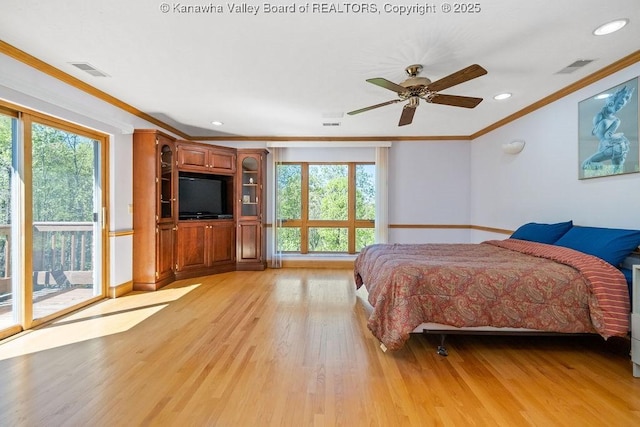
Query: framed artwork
(608, 132)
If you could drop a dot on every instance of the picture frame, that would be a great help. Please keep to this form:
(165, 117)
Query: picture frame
(246, 199)
(608, 132)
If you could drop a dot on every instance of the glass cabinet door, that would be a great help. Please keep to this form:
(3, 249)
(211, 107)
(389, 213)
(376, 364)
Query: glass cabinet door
(165, 182)
(250, 187)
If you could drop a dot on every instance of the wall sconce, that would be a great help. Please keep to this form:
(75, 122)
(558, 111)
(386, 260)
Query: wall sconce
(513, 147)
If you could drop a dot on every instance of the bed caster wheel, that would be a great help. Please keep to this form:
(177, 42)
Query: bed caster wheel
(442, 351)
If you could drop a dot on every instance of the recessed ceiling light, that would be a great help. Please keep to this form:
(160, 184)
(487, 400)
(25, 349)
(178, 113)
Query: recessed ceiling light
(502, 96)
(610, 27)
(217, 123)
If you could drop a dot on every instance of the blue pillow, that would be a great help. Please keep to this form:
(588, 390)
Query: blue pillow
(611, 244)
(542, 233)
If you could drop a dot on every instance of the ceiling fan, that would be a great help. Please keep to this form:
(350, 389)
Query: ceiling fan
(416, 88)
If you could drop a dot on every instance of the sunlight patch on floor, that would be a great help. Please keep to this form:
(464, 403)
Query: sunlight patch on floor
(99, 320)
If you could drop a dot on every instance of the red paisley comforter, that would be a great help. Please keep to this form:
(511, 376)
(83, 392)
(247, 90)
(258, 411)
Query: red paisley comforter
(500, 283)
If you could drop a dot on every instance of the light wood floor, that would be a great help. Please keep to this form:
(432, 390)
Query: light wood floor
(290, 347)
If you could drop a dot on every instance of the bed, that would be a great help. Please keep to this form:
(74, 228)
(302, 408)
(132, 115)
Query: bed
(545, 278)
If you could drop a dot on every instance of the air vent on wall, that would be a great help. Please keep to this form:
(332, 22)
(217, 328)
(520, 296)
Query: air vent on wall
(88, 68)
(575, 66)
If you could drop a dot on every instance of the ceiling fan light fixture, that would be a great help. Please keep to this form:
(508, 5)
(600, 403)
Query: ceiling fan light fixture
(502, 96)
(415, 88)
(610, 27)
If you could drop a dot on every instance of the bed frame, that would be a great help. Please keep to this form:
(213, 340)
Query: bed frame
(430, 328)
(445, 330)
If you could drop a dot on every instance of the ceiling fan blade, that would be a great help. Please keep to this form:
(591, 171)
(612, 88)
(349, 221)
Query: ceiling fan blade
(471, 72)
(379, 81)
(456, 101)
(362, 110)
(407, 115)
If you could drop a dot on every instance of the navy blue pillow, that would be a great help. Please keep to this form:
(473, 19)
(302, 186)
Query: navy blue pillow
(611, 244)
(542, 233)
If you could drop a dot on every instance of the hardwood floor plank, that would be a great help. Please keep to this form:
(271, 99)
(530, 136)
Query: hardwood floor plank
(291, 347)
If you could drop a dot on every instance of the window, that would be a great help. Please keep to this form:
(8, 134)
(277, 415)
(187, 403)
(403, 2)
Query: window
(65, 230)
(325, 207)
(8, 231)
(52, 216)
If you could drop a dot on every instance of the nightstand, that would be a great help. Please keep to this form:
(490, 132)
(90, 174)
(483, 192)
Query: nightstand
(635, 322)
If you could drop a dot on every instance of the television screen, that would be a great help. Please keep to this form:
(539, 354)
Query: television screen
(201, 196)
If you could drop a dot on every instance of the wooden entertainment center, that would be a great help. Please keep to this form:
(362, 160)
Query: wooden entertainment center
(168, 244)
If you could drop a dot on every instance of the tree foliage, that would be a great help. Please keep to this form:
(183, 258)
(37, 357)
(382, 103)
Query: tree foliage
(328, 200)
(62, 187)
(63, 168)
(289, 198)
(5, 168)
(328, 192)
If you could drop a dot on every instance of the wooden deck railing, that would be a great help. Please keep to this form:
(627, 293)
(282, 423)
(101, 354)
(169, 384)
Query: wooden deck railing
(5, 259)
(62, 255)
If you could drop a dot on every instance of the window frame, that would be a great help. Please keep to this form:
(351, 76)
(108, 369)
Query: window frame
(22, 251)
(304, 223)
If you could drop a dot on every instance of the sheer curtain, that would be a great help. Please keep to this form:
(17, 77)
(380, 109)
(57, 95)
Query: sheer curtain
(276, 253)
(382, 195)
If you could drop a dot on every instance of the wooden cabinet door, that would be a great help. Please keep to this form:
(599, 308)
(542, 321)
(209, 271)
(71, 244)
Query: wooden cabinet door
(249, 242)
(193, 157)
(164, 251)
(222, 248)
(201, 158)
(191, 243)
(222, 161)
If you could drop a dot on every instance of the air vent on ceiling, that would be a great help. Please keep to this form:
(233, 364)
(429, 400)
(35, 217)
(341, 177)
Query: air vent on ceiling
(329, 124)
(88, 68)
(575, 66)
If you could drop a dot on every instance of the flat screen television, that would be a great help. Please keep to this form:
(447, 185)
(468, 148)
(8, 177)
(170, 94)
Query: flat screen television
(203, 196)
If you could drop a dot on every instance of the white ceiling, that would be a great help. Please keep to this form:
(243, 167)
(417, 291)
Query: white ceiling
(285, 74)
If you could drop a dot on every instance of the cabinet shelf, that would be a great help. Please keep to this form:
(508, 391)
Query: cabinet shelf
(250, 192)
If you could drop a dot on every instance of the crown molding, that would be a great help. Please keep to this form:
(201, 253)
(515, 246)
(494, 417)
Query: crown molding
(40, 93)
(42, 66)
(580, 84)
(377, 138)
